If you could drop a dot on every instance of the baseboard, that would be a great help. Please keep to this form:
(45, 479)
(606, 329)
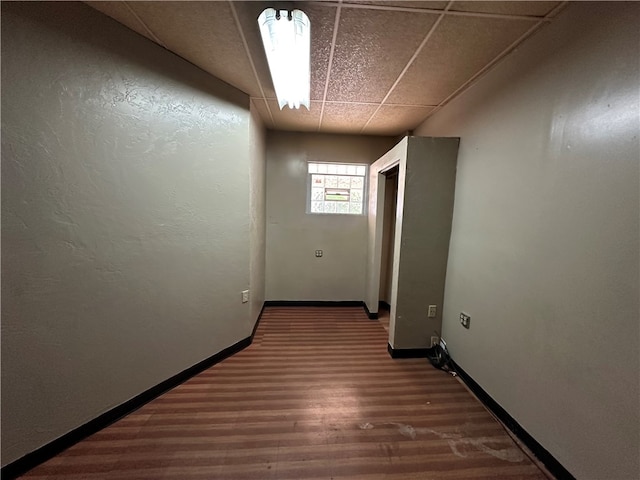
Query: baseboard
(312, 303)
(384, 305)
(44, 453)
(255, 326)
(371, 315)
(407, 352)
(321, 303)
(554, 467)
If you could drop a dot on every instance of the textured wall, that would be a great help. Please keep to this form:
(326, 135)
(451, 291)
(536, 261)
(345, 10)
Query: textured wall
(424, 239)
(125, 218)
(388, 236)
(544, 246)
(293, 272)
(258, 215)
(394, 158)
(425, 190)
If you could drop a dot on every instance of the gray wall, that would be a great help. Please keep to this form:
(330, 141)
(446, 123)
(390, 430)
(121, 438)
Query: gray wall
(424, 239)
(258, 209)
(293, 272)
(544, 246)
(425, 192)
(126, 219)
(388, 236)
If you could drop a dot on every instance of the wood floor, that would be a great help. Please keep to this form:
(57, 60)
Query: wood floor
(316, 396)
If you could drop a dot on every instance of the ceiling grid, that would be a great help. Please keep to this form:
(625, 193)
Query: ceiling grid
(336, 25)
(404, 70)
(250, 57)
(378, 67)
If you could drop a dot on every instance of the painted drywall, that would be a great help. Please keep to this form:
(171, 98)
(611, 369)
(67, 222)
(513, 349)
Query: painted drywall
(388, 235)
(292, 270)
(395, 159)
(258, 208)
(424, 239)
(424, 206)
(544, 247)
(125, 218)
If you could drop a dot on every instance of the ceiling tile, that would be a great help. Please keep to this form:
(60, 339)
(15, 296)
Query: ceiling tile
(373, 46)
(300, 120)
(322, 21)
(121, 13)
(538, 9)
(396, 119)
(371, 50)
(410, 4)
(248, 13)
(346, 117)
(458, 49)
(218, 50)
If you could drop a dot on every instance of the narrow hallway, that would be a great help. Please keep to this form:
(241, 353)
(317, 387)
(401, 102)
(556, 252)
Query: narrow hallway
(316, 395)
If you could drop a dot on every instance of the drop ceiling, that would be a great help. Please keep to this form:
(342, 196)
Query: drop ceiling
(377, 67)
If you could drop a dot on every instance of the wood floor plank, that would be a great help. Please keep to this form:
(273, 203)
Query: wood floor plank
(315, 396)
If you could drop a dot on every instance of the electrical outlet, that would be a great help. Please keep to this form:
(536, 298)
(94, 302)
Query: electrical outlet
(432, 311)
(245, 296)
(465, 320)
(318, 253)
(435, 340)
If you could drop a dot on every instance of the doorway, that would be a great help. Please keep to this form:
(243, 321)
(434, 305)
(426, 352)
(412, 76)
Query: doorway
(388, 243)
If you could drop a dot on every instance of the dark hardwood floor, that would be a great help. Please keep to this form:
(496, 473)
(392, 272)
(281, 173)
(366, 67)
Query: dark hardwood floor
(316, 396)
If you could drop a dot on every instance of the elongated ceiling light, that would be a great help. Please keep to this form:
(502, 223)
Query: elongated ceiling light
(286, 36)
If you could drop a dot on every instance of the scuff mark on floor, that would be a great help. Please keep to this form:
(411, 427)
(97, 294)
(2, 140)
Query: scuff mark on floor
(404, 429)
(455, 441)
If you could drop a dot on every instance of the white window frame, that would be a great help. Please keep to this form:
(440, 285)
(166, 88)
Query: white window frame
(361, 170)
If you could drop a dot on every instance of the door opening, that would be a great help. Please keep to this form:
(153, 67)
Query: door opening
(388, 242)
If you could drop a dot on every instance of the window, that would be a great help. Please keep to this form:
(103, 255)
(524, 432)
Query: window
(337, 188)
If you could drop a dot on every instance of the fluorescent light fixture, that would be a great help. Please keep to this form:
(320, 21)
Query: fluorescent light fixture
(286, 36)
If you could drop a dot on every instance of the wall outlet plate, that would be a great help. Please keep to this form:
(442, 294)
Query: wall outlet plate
(432, 311)
(434, 341)
(245, 296)
(465, 319)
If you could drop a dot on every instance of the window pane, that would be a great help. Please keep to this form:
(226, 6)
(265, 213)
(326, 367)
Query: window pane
(336, 194)
(344, 182)
(317, 181)
(331, 181)
(336, 188)
(317, 194)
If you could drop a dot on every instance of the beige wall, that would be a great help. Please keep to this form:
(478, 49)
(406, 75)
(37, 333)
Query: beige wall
(125, 218)
(258, 210)
(544, 246)
(424, 239)
(425, 191)
(293, 272)
(388, 236)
